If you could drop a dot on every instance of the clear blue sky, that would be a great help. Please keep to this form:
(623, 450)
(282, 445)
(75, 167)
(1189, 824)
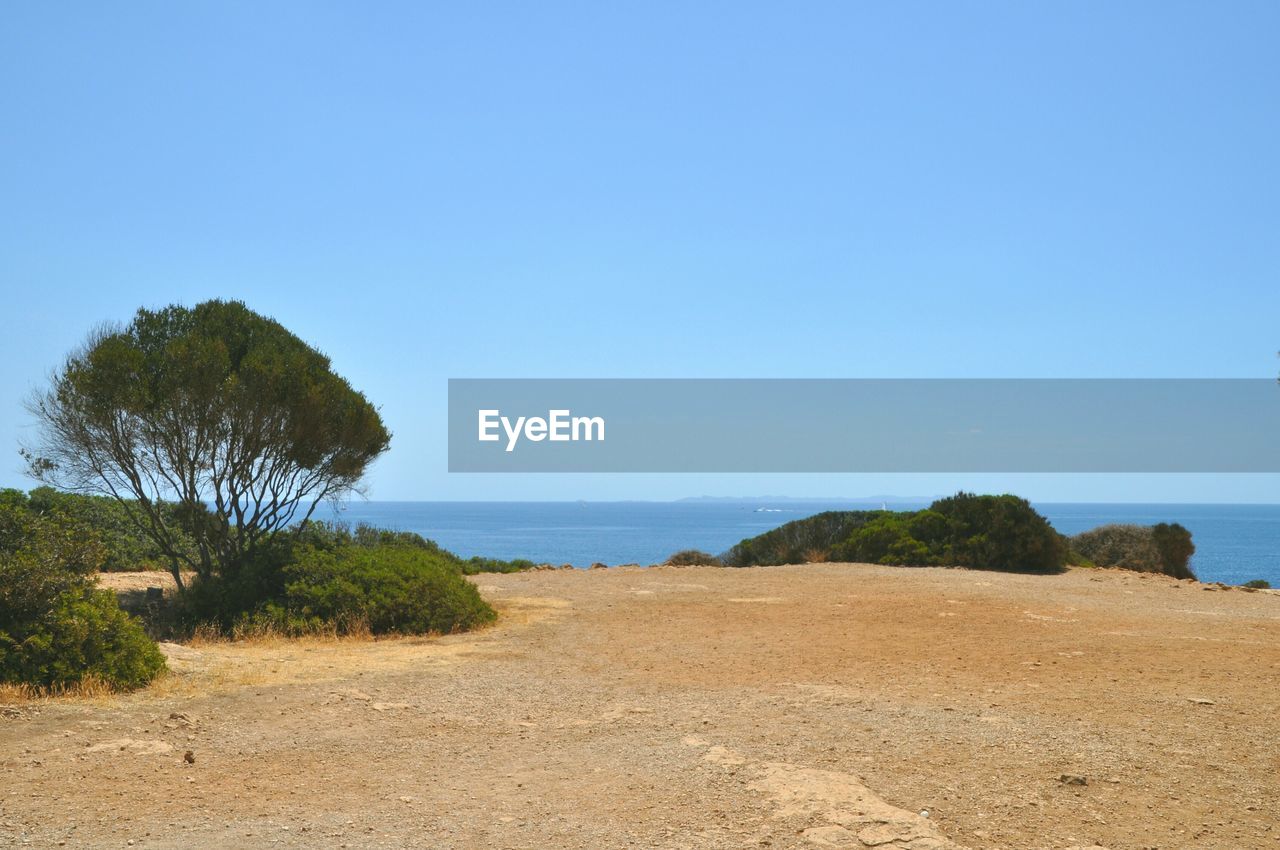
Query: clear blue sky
(428, 191)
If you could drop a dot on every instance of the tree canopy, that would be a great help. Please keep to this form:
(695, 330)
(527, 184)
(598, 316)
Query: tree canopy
(214, 408)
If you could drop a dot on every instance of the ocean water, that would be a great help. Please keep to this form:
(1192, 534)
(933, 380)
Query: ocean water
(1234, 543)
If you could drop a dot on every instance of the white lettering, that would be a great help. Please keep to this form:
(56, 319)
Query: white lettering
(559, 426)
(486, 425)
(587, 423)
(513, 434)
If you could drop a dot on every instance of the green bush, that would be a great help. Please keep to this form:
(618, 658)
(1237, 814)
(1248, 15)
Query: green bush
(910, 539)
(333, 579)
(1173, 542)
(387, 588)
(1162, 548)
(127, 547)
(225, 602)
(1258, 584)
(983, 532)
(328, 535)
(692, 558)
(56, 629)
(799, 542)
(998, 533)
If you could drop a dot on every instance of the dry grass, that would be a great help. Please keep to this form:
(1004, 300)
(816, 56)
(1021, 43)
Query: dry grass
(258, 655)
(89, 688)
(252, 632)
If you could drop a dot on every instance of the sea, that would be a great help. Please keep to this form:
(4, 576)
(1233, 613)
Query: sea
(1234, 543)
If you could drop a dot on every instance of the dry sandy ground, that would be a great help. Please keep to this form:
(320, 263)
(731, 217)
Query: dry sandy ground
(815, 706)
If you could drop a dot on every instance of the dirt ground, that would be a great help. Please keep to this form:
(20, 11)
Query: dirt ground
(817, 706)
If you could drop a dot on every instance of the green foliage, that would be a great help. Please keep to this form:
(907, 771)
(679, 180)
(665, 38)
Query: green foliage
(389, 588)
(692, 558)
(326, 534)
(476, 564)
(983, 532)
(1258, 584)
(910, 539)
(210, 404)
(128, 547)
(1074, 558)
(1173, 542)
(55, 628)
(225, 600)
(1162, 548)
(332, 578)
(798, 542)
(998, 533)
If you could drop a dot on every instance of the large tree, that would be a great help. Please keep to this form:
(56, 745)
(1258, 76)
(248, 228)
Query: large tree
(216, 408)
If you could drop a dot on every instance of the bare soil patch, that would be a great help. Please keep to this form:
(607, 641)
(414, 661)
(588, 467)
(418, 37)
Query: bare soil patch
(827, 705)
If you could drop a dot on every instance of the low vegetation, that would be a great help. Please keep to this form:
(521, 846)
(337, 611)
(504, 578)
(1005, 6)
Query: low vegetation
(800, 542)
(59, 633)
(1165, 548)
(56, 630)
(125, 546)
(692, 558)
(1258, 584)
(967, 530)
(331, 579)
(982, 532)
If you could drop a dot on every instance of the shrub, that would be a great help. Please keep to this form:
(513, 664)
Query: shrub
(998, 533)
(127, 546)
(1173, 542)
(331, 579)
(328, 535)
(1258, 584)
(1116, 545)
(1075, 558)
(983, 532)
(909, 539)
(692, 558)
(388, 588)
(796, 542)
(57, 629)
(1158, 549)
(224, 602)
(477, 564)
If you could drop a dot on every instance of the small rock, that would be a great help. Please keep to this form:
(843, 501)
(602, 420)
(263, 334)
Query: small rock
(1072, 779)
(1200, 701)
(189, 757)
(599, 566)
